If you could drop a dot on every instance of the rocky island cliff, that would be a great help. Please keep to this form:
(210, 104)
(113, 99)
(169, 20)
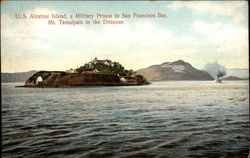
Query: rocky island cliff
(95, 73)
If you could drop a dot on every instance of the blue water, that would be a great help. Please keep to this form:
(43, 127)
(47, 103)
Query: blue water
(165, 119)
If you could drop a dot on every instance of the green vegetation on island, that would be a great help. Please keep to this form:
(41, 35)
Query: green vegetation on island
(106, 66)
(95, 73)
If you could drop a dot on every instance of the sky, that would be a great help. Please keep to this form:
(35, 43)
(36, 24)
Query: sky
(198, 32)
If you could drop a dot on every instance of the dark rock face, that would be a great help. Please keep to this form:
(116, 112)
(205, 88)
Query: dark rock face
(141, 80)
(177, 70)
(63, 79)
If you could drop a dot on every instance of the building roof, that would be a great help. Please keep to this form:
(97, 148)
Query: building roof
(103, 60)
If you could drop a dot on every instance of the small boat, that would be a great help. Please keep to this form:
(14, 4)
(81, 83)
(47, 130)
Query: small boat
(218, 81)
(220, 74)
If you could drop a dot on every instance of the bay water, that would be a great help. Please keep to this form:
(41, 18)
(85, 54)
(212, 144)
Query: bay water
(164, 119)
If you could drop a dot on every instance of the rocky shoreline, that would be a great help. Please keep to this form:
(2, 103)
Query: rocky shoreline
(56, 79)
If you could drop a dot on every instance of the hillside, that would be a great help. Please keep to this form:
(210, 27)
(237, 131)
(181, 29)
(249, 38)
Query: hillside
(177, 70)
(234, 78)
(16, 77)
(240, 73)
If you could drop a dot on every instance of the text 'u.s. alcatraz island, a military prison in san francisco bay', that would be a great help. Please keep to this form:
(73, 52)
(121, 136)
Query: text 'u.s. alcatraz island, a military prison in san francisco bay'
(83, 18)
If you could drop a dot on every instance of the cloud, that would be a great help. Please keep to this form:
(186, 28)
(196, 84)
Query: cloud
(35, 40)
(33, 44)
(228, 42)
(234, 9)
(222, 33)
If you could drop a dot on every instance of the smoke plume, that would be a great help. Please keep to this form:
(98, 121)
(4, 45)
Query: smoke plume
(215, 70)
(221, 74)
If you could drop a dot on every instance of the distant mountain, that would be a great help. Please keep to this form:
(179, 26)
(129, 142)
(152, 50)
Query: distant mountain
(234, 78)
(16, 77)
(241, 73)
(214, 68)
(177, 70)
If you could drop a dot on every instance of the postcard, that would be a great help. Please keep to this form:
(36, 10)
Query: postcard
(123, 79)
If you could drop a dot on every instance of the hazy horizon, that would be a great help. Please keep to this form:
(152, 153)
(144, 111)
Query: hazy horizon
(125, 67)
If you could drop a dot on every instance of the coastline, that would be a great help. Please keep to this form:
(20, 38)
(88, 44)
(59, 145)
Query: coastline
(57, 79)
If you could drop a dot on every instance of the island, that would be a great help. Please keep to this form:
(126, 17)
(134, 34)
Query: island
(94, 73)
